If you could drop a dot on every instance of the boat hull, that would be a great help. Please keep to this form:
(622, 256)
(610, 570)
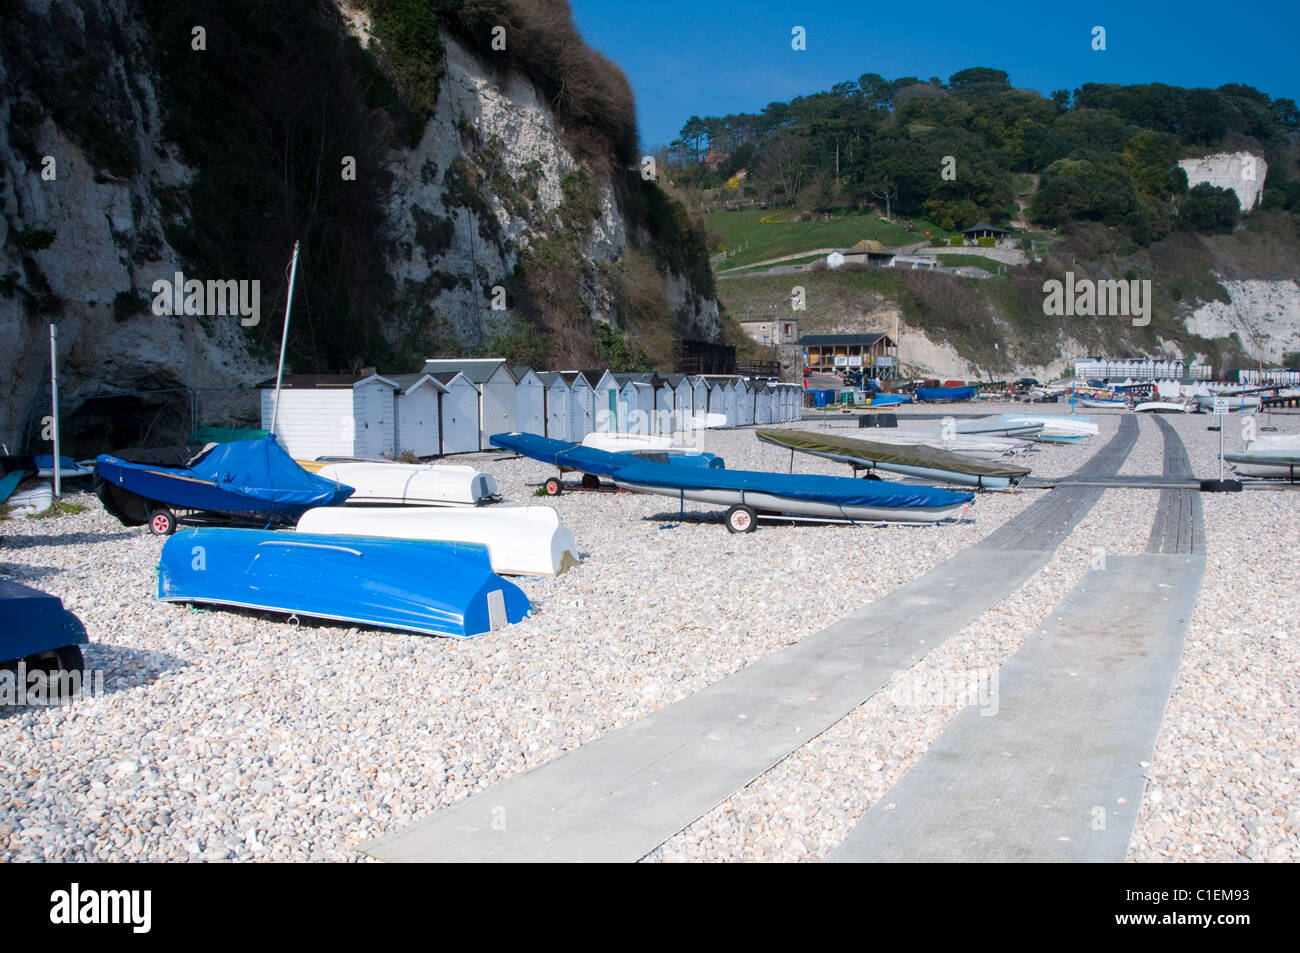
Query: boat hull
(413, 484)
(35, 622)
(521, 540)
(415, 586)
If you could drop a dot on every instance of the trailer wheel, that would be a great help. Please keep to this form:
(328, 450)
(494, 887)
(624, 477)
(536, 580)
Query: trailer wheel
(162, 522)
(741, 519)
(54, 663)
(553, 486)
(590, 481)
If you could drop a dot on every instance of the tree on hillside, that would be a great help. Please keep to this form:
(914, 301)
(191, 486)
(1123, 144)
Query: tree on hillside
(886, 190)
(1209, 209)
(785, 161)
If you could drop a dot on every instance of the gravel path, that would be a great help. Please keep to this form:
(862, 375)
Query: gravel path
(233, 735)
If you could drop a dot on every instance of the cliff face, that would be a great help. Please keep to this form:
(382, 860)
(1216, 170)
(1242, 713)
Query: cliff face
(490, 204)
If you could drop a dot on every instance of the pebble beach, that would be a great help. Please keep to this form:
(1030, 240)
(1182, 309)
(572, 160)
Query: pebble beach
(224, 735)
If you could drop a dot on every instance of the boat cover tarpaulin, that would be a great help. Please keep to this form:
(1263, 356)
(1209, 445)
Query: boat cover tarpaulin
(573, 456)
(945, 393)
(560, 453)
(814, 488)
(870, 452)
(243, 477)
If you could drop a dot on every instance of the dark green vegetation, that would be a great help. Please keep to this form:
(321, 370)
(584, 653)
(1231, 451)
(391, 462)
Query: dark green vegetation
(280, 103)
(1106, 153)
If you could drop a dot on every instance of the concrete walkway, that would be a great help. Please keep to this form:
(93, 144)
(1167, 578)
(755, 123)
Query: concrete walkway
(621, 796)
(1055, 774)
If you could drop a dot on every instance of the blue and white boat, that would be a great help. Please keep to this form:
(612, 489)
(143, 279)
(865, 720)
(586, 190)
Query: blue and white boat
(251, 480)
(433, 588)
(39, 631)
(595, 463)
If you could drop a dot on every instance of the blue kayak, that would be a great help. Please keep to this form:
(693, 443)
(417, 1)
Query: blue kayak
(246, 478)
(594, 462)
(433, 588)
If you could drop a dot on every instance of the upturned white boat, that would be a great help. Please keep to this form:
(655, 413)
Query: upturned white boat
(625, 442)
(1236, 402)
(1162, 407)
(30, 502)
(977, 447)
(413, 484)
(1057, 425)
(521, 540)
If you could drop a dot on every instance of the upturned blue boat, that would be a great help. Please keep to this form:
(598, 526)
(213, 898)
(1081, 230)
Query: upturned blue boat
(252, 480)
(433, 588)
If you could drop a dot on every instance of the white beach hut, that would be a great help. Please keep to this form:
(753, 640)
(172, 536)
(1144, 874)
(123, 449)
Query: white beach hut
(419, 414)
(496, 388)
(604, 399)
(557, 404)
(582, 408)
(762, 404)
(744, 401)
(458, 413)
(665, 403)
(333, 414)
(530, 401)
(699, 396)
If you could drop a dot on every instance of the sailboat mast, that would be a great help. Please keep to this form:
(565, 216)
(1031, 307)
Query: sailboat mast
(288, 305)
(54, 405)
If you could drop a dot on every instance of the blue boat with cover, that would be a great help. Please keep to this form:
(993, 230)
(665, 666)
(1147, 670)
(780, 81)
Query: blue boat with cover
(433, 588)
(250, 480)
(592, 462)
(39, 632)
(931, 394)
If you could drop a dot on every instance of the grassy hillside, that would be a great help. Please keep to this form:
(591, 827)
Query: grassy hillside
(768, 233)
(972, 314)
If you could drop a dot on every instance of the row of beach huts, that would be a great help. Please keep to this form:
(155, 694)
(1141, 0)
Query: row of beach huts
(454, 406)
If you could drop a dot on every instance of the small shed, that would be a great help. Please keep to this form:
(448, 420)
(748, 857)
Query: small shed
(665, 403)
(459, 413)
(762, 404)
(530, 401)
(744, 402)
(604, 399)
(556, 393)
(333, 414)
(582, 407)
(496, 389)
(699, 396)
(419, 414)
(636, 403)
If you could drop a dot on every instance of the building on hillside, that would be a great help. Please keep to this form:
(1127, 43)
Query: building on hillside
(983, 229)
(772, 331)
(705, 357)
(866, 252)
(876, 355)
(915, 262)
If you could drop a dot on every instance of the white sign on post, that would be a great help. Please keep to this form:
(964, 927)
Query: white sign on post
(1221, 406)
(1221, 410)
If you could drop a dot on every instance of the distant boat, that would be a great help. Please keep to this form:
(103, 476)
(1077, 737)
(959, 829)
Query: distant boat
(415, 586)
(1057, 426)
(408, 484)
(890, 400)
(1102, 402)
(1236, 402)
(975, 446)
(1161, 407)
(917, 460)
(934, 394)
(521, 540)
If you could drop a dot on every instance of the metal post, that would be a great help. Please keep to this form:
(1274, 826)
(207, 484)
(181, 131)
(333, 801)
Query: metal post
(288, 304)
(54, 402)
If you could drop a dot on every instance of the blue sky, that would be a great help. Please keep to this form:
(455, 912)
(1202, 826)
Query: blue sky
(707, 57)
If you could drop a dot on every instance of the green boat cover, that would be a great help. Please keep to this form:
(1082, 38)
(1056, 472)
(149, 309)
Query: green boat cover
(207, 435)
(869, 452)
